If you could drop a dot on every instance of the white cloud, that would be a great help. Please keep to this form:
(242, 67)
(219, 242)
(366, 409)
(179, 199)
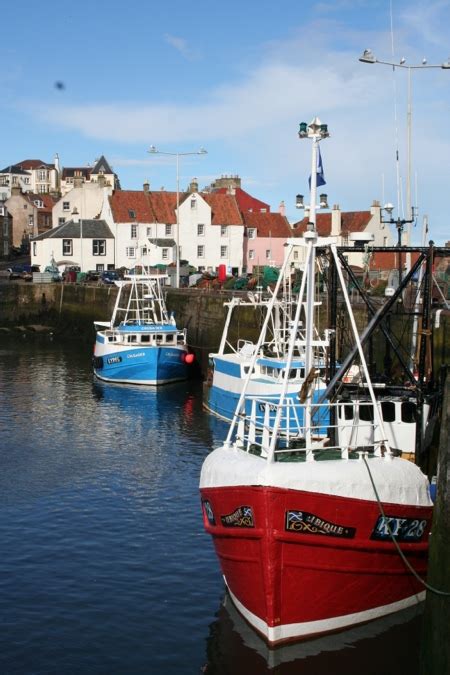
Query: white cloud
(181, 45)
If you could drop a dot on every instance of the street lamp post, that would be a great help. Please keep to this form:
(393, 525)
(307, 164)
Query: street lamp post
(154, 151)
(369, 57)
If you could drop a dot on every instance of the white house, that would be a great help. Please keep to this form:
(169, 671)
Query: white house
(85, 243)
(86, 198)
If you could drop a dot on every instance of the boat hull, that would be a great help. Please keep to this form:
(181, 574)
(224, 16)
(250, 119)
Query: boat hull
(296, 576)
(142, 365)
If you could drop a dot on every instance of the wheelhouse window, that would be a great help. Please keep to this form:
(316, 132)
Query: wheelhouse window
(408, 412)
(67, 247)
(366, 412)
(388, 411)
(99, 247)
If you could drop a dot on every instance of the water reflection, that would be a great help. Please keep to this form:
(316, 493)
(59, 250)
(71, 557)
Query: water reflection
(381, 647)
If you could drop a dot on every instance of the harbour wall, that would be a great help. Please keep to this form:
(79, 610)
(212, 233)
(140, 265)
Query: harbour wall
(69, 310)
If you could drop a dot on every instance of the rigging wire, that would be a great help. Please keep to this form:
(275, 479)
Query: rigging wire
(394, 83)
(396, 544)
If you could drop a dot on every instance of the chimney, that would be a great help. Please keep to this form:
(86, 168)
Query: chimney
(335, 221)
(282, 209)
(75, 215)
(57, 167)
(193, 185)
(16, 190)
(146, 186)
(78, 181)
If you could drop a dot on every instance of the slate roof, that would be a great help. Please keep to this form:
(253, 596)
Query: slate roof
(351, 221)
(101, 166)
(69, 172)
(92, 229)
(13, 168)
(268, 224)
(163, 242)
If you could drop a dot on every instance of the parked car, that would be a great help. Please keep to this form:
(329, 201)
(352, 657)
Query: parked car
(109, 277)
(16, 271)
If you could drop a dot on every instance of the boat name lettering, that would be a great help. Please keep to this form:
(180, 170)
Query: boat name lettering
(262, 407)
(135, 356)
(114, 359)
(241, 517)
(209, 512)
(308, 523)
(403, 529)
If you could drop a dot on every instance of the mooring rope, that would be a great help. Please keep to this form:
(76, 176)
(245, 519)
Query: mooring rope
(395, 542)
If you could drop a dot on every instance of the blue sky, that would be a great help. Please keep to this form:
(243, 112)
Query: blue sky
(235, 78)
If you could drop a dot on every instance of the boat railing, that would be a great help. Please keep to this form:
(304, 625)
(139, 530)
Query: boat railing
(258, 434)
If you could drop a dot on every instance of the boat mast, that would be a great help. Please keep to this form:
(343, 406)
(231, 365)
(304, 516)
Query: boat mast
(316, 131)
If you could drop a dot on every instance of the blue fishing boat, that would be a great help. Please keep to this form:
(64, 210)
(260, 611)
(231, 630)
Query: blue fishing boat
(141, 344)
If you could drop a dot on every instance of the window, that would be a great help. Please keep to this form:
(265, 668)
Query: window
(34, 248)
(295, 255)
(133, 230)
(165, 253)
(130, 252)
(99, 247)
(66, 206)
(268, 254)
(131, 213)
(42, 189)
(39, 203)
(168, 230)
(30, 220)
(67, 246)
(149, 231)
(251, 254)
(408, 412)
(223, 230)
(200, 229)
(223, 251)
(61, 221)
(200, 251)
(193, 203)
(143, 250)
(251, 233)
(388, 411)
(366, 412)
(100, 268)
(26, 180)
(25, 206)
(42, 174)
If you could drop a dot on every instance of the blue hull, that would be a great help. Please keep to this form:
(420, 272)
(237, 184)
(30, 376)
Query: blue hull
(145, 365)
(223, 403)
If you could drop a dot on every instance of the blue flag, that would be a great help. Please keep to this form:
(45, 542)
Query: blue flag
(320, 178)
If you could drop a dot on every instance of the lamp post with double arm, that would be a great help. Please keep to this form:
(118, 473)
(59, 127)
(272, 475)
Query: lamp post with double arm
(154, 151)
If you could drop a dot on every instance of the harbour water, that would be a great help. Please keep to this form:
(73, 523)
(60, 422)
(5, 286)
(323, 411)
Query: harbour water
(104, 565)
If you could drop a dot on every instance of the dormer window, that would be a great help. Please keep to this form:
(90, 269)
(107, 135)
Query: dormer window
(131, 213)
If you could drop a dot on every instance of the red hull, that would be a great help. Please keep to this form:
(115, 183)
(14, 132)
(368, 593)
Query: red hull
(293, 581)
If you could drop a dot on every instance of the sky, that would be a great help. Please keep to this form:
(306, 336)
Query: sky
(112, 78)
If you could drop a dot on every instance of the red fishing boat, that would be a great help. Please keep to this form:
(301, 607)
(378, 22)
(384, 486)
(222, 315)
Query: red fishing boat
(313, 534)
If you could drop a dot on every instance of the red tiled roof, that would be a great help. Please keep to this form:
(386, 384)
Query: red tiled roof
(268, 224)
(224, 208)
(34, 164)
(46, 199)
(124, 201)
(245, 201)
(351, 221)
